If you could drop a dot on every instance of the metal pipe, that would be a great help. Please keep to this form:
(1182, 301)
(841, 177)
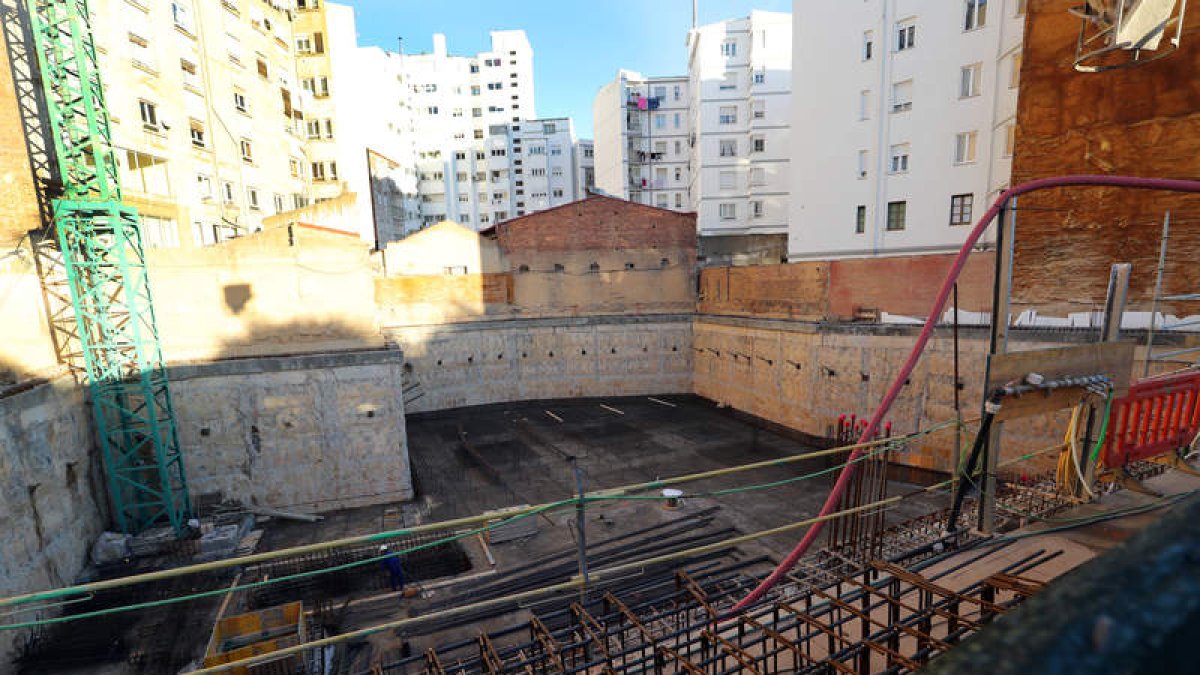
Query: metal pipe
(1162, 266)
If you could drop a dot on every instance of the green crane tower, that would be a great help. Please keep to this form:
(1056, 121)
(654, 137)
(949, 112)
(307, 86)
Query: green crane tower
(102, 251)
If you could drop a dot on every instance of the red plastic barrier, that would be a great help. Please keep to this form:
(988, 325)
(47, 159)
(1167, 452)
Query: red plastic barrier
(1157, 416)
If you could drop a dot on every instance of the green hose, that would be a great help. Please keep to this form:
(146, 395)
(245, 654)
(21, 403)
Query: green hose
(1103, 428)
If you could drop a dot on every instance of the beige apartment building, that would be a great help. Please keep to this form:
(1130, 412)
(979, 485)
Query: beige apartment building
(206, 114)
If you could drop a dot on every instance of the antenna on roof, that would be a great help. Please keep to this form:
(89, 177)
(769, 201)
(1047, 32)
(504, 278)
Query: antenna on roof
(400, 44)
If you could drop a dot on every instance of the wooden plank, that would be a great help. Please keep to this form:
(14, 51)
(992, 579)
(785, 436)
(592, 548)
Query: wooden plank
(1114, 359)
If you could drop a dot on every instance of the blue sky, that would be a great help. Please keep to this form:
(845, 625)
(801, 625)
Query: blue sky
(578, 45)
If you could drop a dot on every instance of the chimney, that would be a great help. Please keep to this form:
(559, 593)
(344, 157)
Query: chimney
(439, 45)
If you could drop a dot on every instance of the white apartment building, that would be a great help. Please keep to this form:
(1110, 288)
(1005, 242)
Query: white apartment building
(358, 123)
(740, 82)
(205, 113)
(458, 102)
(643, 134)
(585, 166)
(903, 128)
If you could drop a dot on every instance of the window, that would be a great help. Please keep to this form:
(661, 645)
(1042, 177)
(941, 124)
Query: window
(758, 144)
(322, 87)
(191, 78)
(676, 93)
(660, 121)
(729, 81)
(295, 167)
(203, 187)
(660, 200)
(278, 199)
(318, 170)
(960, 209)
(198, 139)
(261, 65)
(758, 176)
(1014, 74)
(975, 14)
(758, 109)
(906, 35)
(900, 158)
(902, 96)
(728, 211)
(304, 44)
(1020, 8)
(247, 151)
(474, 67)
(149, 112)
(862, 164)
(964, 147)
(969, 79)
(313, 128)
(679, 200)
(728, 148)
(860, 219)
(431, 110)
(678, 120)
(729, 48)
(728, 114)
(864, 104)
(475, 90)
(558, 192)
(760, 76)
(678, 174)
(159, 232)
(182, 14)
(1010, 139)
(868, 45)
(897, 211)
(227, 192)
(756, 209)
(239, 102)
(678, 149)
(252, 198)
(728, 180)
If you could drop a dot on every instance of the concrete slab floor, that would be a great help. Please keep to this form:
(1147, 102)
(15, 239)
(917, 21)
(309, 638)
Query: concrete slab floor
(525, 451)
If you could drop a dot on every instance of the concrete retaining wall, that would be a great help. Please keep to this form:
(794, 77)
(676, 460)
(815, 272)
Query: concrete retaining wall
(311, 432)
(493, 361)
(804, 375)
(52, 503)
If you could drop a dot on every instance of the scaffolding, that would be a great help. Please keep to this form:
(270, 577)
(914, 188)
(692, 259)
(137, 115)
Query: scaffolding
(101, 247)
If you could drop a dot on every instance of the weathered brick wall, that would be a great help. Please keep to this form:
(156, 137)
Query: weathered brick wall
(601, 256)
(438, 298)
(18, 200)
(842, 289)
(1140, 121)
(795, 291)
(906, 285)
(600, 224)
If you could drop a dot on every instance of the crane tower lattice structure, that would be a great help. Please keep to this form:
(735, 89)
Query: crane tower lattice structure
(102, 251)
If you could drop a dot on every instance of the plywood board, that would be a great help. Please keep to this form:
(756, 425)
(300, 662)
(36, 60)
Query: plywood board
(1114, 359)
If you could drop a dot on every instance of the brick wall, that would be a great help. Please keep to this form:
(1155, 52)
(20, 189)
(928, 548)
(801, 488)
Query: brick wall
(795, 291)
(18, 200)
(842, 289)
(1140, 121)
(906, 284)
(598, 223)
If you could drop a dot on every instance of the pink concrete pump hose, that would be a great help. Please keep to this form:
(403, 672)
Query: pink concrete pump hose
(939, 305)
